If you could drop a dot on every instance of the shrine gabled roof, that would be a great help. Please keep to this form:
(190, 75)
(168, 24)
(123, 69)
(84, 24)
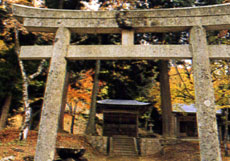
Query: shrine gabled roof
(122, 102)
(180, 108)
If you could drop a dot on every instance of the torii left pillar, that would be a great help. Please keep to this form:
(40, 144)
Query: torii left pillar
(46, 142)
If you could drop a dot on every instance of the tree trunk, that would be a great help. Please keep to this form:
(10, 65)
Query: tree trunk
(91, 127)
(61, 119)
(5, 111)
(26, 104)
(226, 133)
(166, 105)
(73, 111)
(28, 111)
(60, 4)
(72, 124)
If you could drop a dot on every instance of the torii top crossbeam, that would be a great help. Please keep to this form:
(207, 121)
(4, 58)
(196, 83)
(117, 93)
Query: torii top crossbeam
(160, 20)
(152, 20)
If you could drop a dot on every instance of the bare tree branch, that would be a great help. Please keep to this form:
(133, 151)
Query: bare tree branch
(39, 70)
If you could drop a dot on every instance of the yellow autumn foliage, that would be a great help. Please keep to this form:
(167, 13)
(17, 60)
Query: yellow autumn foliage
(182, 85)
(3, 46)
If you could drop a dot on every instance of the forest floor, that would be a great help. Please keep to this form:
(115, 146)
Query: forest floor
(25, 150)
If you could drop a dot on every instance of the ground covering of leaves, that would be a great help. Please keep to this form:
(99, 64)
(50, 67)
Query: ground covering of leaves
(10, 146)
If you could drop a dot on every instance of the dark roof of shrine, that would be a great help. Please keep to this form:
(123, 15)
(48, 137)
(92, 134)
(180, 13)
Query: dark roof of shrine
(122, 102)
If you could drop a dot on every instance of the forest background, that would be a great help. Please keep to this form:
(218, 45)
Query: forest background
(22, 83)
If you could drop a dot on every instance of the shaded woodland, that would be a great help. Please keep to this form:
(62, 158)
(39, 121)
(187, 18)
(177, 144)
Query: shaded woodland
(160, 82)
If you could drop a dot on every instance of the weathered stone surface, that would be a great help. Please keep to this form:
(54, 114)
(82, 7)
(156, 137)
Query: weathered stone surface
(53, 98)
(98, 142)
(169, 141)
(150, 146)
(127, 37)
(154, 20)
(19, 10)
(107, 52)
(219, 51)
(204, 96)
(110, 52)
(36, 52)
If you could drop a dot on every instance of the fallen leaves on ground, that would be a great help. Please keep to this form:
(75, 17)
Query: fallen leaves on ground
(11, 146)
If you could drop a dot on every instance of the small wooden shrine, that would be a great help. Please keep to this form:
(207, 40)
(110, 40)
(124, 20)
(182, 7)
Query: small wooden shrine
(121, 116)
(186, 121)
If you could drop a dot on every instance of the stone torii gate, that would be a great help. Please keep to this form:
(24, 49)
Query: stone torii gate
(63, 22)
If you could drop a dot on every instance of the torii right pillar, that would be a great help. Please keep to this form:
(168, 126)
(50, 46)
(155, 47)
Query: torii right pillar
(204, 96)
